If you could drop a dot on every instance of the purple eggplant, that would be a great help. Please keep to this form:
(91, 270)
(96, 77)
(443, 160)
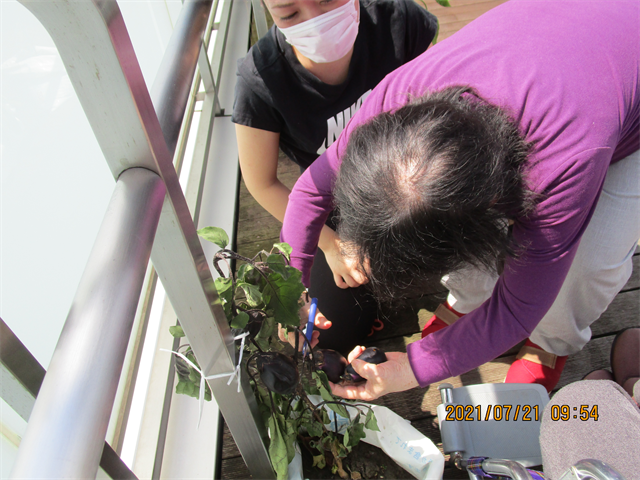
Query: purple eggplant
(330, 362)
(278, 372)
(370, 355)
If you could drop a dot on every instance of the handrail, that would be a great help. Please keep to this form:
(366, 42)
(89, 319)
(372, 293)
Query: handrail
(26, 370)
(96, 50)
(68, 423)
(171, 88)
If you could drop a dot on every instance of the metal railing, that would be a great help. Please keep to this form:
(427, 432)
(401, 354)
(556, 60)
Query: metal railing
(148, 217)
(22, 377)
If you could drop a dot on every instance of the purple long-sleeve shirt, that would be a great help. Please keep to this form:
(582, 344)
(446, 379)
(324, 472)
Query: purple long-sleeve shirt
(567, 72)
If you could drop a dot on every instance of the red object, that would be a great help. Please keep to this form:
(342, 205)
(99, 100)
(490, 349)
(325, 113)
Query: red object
(443, 316)
(534, 365)
(376, 327)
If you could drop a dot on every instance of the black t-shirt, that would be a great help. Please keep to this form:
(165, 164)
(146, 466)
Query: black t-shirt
(275, 92)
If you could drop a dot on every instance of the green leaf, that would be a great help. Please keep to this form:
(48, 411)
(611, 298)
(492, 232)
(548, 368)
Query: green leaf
(370, 422)
(444, 3)
(194, 376)
(282, 294)
(353, 435)
(325, 392)
(290, 436)
(284, 248)
(176, 331)
(240, 321)
(275, 259)
(251, 293)
(277, 450)
(314, 429)
(267, 329)
(249, 274)
(325, 416)
(191, 390)
(181, 386)
(223, 286)
(342, 450)
(319, 461)
(215, 235)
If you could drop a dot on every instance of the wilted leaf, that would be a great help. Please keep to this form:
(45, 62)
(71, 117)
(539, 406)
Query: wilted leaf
(319, 461)
(290, 437)
(251, 293)
(249, 274)
(215, 235)
(277, 450)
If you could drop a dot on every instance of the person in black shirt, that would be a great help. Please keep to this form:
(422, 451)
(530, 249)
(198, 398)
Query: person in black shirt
(296, 90)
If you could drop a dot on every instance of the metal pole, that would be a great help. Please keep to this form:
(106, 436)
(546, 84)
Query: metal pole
(171, 88)
(96, 50)
(20, 384)
(66, 431)
(260, 18)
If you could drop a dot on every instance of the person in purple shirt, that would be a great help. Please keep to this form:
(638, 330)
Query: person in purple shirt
(504, 160)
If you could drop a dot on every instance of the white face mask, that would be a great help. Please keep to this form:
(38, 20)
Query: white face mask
(328, 37)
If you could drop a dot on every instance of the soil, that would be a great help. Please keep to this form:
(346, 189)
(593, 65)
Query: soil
(364, 462)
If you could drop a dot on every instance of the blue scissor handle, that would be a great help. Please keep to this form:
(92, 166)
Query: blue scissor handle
(313, 308)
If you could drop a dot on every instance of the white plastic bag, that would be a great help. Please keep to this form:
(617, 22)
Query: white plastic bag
(397, 438)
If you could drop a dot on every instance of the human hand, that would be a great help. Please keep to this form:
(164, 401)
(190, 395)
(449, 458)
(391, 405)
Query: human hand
(320, 321)
(394, 375)
(346, 269)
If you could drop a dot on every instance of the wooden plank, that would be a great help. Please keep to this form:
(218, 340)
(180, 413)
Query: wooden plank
(229, 448)
(461, 12)
(259, 229)
(252, 248)
(634, 280)
(623, 312)
(234, 468)
(593, 356)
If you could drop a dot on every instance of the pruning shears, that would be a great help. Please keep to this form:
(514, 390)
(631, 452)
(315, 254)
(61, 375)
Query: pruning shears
(313, 308)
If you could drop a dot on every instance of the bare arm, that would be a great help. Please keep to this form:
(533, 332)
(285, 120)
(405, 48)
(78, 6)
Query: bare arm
(258, 153)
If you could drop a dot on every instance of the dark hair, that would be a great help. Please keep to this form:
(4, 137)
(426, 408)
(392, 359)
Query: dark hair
(428, 189)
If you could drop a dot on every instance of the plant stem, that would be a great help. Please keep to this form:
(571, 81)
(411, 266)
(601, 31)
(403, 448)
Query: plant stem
(334, 450)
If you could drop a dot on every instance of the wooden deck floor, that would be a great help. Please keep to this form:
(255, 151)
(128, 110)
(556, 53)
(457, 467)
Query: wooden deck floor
(257, 230)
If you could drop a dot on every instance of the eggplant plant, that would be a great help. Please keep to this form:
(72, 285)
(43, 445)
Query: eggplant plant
(264, 292)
